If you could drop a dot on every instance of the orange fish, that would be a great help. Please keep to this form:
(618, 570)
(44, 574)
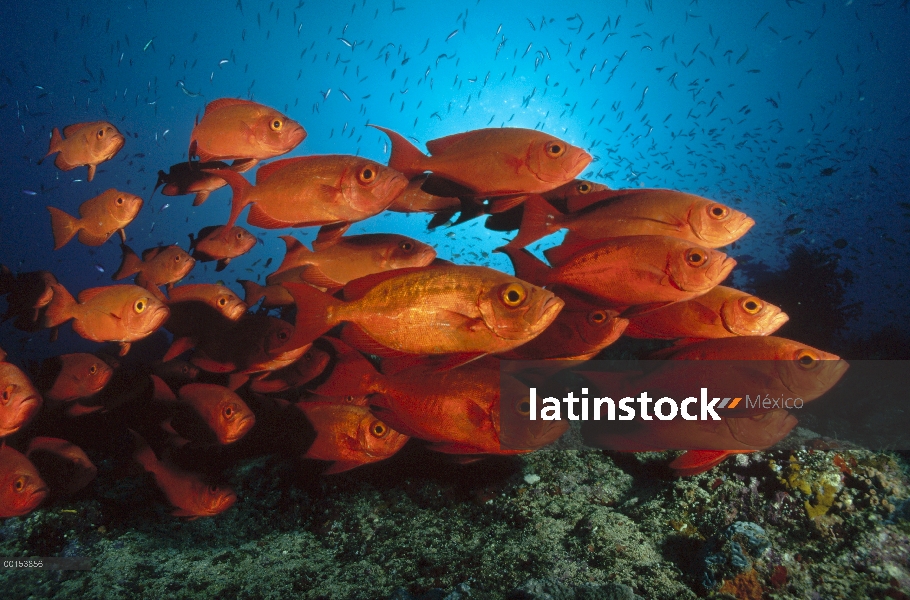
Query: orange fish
(197, 310)
(414, 200)
(116, 313)
(21, 487)
(306, 368)
(348, 434)
(189, 178)
(212, 244)
(313, 190)
(272, 296)
(350, 258)
(223, 412)
(511, 219)
(163, 265)
(457, 410)
(88, 144)
(617, 213)
(187, 492)
(707, 443)
(71, 377)
(101, 217)
(492, 162)
(232, 128)
(434, 310)
(27, 296)
(19, 400)
(574, 335)
(63, 465)
(722, 312)
(645, 271)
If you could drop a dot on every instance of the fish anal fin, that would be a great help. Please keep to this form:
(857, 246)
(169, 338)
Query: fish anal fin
(340, 466)
(201, 197)
(259, 218)
(329, 235)
(91, 172)
(353, 335)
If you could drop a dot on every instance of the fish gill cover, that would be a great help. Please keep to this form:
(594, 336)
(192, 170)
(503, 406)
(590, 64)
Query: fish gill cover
(792, 115)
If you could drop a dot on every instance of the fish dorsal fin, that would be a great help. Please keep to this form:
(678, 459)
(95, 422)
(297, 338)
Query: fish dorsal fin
(151, 253)
(440, 145)
(222, 102)
(266, 171)
(295, 253)
(558, 255)
(87, 295)
(71, 129)
(358, 288)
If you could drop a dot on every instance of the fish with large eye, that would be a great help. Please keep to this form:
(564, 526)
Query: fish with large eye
(84, 144)
(163, 265)
(212, 244)
(99, 218)
(21, 487)
(20, 401)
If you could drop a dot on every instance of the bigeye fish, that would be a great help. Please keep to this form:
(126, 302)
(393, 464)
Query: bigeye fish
(213, 243)
(19, 400)
(63, 465)
(238, 129)
(21, 487)
(84, 144)
(163, 265)
(100, 218)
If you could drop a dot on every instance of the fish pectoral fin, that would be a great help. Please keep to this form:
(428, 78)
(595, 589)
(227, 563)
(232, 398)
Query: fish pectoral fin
(124, 348)
(693, 462)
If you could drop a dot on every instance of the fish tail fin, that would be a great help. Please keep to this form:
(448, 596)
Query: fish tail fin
(56, 140)
(129, 265)
(406, 158)
(64, 227)
(295, 252)
(693, 462)
(60, 308)
(527, 266)
(314, 315)
(162, 391)
(241, 189)
(352, 375)
(539, 219)
(254, 291)
(143, 453)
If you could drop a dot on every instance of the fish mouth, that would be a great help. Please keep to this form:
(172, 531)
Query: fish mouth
(740, 226)
(578, 165)
(426, 256)
(777, 321)
(547, 312)
(155, 320)
(719, 271)
(235, 311)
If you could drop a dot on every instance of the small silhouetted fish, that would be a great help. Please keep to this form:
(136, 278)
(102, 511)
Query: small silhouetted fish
(795, 231)
(784, 165)
(840, 244)
(829, 171)
(99, 268)
(873, 170)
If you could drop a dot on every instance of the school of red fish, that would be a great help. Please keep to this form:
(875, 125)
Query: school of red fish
(386, 342)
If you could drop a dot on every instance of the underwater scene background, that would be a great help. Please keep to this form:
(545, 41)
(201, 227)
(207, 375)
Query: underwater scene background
(793, 112)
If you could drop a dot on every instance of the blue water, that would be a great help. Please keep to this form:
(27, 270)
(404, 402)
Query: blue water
(747, 103)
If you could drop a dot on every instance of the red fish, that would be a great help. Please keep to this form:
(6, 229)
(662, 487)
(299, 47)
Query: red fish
(306, 368)
(414, 200)
(349, 258)
(163, 265)
(313, 190)
(116, 313)
(101, 217)
(636, 212)
(27, 296)
(510, 220)
(63, 465)
(272, 296)
(722, 312)
(492, 162)
(223, 412)
(21, 487)
(19, 400)
(574, 335)
(348, 434)
(707, 443)
(186, 491)
(232, 128)
(88, 144)
(435, 310)
(197, 310)
(189, 178)
(645, 271)
(71, 377)
(457, 410)
(175, 373)
(211, 243)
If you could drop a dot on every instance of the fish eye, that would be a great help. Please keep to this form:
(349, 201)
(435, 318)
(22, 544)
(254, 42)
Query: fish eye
(275, 125)
(140, 305)
(719, 211)
(523, 407)
(696, 257)
(185, 370)
(7, 393)
(222, 301)
(213, 489)
(513, 295)
(378, 429)
(228, 412)
(282, 335)
(555, 149)
(406, 246)
(806, 359)
(119, 200)
(19, 484)
(349, 398)
(597, 317)
(751, 305)
(100, 133)
(367, 175)
(239, 235)
(584, 187)
(93, 369)
(177, 258)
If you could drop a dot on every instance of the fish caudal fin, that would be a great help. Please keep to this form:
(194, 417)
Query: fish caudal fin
(314, 318)
(54, 147)
(60, 309)
(144, 454)
(527, 266)
(64, 227)
(129, 265)
(254, 291)
(406, 158)
(241, 189)
(693, 462)
(538, 220)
